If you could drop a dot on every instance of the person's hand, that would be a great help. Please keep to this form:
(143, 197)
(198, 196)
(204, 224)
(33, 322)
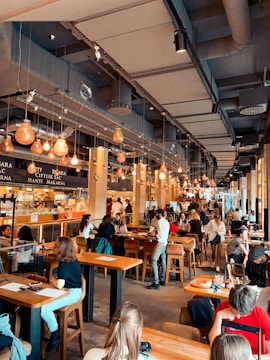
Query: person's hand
(227, 314)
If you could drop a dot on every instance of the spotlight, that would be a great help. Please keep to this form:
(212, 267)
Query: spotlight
(51, 36)
(180, 41)
(30, 96)
(97, 52)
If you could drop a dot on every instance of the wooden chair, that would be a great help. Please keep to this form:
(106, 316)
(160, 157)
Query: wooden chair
(148, 247)
(203, 249)
(50, 263)
(175, 252)
(189, 248)
(198, 246)
(5, 353)
(186, 331)
(132, 249)
(81, 244)
(63, 315)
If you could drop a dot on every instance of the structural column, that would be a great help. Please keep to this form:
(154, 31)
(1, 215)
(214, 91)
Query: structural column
(243, 192)
(139, 191)
(252, 185)
(97, 181)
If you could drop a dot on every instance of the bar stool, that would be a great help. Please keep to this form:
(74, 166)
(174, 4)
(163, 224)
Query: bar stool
(198, 246)
(148, 247)
(203, 249)
(189, 248)
(175, 252)
(132, 249)
(63, 315)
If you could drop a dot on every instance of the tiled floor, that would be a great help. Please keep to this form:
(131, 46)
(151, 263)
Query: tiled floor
(157, 306)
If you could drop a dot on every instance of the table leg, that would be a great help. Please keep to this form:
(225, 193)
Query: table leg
(32, 333)
(116, 291)
(88, 302)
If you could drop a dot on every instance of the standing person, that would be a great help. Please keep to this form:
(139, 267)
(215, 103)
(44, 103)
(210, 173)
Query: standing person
(128, 211)
(236, 249)
(123, 340)
(86, 227)
(231, 347)
(117, 207)
(216, 208)
(213, 228)
(68, 276)
(241, 308)
(109, 206)
(162, 233)
(257, 264)
(194, 225)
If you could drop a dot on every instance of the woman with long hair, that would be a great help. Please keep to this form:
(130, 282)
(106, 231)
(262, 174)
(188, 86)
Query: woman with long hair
(123, 340)
(86, 226)
(68, 276)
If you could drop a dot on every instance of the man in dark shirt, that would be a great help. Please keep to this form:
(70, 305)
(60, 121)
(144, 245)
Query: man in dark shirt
(257, 265)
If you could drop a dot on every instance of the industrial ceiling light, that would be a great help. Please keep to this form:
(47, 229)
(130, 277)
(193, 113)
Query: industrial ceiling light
(121, 157)
(74, 161)
(118, 136)
(51, 155)
(180, 41)
(63, 161)
(97, 52)
(30, 96)
(6, 145)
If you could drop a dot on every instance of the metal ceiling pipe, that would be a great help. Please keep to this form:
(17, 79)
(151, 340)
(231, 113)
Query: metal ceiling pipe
(41, 131)
(238, 16)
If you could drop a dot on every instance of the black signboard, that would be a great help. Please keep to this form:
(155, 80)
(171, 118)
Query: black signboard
(6, 169)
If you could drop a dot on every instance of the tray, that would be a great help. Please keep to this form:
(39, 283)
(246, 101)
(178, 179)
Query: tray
(201, 284)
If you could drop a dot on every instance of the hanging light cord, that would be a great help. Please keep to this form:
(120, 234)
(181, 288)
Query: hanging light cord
(20, 59)
(28, 70)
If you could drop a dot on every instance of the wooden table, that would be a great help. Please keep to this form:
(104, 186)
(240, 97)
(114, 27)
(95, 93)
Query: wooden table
(179, 239)
(137, 227)
(32, 302)
(221, 294)
(171, 347)
(117, 264)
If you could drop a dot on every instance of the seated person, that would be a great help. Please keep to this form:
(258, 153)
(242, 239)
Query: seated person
(5, 234)
(173, 228)
(123, 340)
(241, 308)
(106, 228)
(257, 265)
(25, 233)
(231, 347)
(119, 224)
(236, 249)
(86, 227)
(252, 220)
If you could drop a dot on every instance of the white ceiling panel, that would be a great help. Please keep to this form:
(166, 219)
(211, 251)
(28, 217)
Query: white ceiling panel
(216, 140)
(189, 108)
(125, 21)
(206, 128)
(165, 87)
(198, 118)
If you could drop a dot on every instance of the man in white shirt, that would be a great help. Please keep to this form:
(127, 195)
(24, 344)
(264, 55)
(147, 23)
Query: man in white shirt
(163, 228)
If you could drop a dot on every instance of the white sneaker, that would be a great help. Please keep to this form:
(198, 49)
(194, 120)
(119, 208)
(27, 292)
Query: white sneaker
(213, 265)
(217, 269)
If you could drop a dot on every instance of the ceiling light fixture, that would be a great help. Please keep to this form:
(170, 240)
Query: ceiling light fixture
(31, 169)
(36, 147)
(6, 145)
(180, 40)
(163, 169)
(46, 146)
(30, 96)
(118, 136)
(97, 52)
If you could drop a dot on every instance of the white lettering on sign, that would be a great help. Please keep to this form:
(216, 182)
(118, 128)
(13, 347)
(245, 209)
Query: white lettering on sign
(5, 164)
(61, 172)
(5, 177)
(55, 182)
(35, 181)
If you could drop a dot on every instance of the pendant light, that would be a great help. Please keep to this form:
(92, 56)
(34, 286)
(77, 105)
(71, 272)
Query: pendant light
(36, 147)
(118, 136)
(6, 146)
(25, 134)
(46, 146)
(63, 161)
(121, 157)
(51, 154)
(31, 169)
(60, 147)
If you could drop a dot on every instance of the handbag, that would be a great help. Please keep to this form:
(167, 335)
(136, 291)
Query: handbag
(216, 240)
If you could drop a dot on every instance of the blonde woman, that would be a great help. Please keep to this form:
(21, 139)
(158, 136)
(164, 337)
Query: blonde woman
(123, 340)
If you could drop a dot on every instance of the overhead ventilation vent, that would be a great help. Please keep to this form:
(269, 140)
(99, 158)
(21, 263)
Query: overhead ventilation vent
(120, 104)
(253, 102)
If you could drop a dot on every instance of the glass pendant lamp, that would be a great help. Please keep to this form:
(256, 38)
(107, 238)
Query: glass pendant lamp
(31, 169)
(25, 134)
(6, 146)
(118, 136)
(36, 147)
(60, 147)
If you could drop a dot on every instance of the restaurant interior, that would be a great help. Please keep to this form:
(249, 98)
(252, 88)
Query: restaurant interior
(175, 95)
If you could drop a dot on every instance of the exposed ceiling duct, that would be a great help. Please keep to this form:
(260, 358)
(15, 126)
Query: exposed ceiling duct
(120, 98)
(238, 17)
(41, 131)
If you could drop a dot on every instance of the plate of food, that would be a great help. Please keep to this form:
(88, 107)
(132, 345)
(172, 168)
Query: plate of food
(203, 284)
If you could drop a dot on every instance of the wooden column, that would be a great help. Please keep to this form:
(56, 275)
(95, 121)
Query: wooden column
(139, 191)
(97, 181)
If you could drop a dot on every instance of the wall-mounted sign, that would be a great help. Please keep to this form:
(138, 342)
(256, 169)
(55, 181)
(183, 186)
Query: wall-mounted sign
(6, 169)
